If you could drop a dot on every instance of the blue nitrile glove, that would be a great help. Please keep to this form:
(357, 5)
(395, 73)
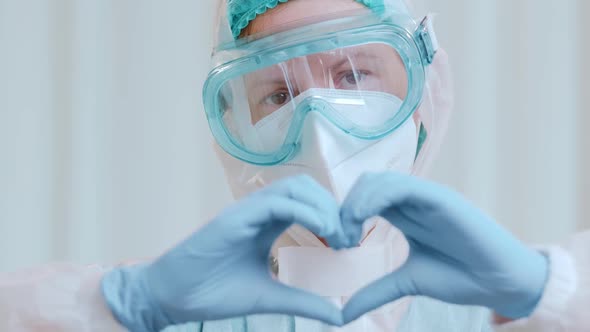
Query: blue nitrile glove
(222, 270)
(457, 253)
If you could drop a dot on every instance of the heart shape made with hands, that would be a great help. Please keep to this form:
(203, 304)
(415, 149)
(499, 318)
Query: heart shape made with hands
(351, 267)
(456, 254)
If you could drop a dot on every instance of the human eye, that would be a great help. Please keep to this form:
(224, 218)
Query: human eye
(351, 79)
(269, 103)
(277, 98)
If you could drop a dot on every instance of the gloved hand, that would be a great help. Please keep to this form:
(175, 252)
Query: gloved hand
(222, 270)
(457, 254)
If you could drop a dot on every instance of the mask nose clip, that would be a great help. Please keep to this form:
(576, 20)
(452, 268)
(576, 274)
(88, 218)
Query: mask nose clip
(312, 113)
(324, 106)
(313, 104)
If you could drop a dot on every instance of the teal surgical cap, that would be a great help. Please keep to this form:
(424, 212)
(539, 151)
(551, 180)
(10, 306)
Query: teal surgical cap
(242, 12)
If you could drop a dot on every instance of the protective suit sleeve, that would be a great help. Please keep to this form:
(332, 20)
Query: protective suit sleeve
(58, 297)
(565, 302)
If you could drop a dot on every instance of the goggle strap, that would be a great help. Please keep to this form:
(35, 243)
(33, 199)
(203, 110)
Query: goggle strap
(426, 38)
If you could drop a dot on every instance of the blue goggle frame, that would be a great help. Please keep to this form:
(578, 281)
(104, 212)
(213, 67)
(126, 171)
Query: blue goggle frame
(416, 45)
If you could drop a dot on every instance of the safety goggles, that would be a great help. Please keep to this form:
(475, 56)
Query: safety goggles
(364, 73)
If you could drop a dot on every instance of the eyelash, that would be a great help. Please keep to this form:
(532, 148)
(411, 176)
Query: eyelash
(267, 100)
(360, 74)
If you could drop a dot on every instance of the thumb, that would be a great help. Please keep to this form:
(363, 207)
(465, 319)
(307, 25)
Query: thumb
(283, 299)
(380, 292)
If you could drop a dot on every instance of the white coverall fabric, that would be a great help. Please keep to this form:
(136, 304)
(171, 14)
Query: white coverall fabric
(59, 297)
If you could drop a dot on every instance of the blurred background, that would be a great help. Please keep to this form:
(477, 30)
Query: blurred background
(105, 153)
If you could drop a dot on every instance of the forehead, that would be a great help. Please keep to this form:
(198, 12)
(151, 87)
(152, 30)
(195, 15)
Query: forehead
(298, 10)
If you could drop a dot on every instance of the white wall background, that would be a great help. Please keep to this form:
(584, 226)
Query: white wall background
(105, 153)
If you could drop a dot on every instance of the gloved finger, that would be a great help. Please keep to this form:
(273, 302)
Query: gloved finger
(380, 292)
(384, 193)
(282, 299)
(372, 194)
(421, 210)
(306, 190)
(286, 211)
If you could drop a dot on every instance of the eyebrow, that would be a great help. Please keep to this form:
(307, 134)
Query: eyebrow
(262, 80)
(277, 81)
(354, 55)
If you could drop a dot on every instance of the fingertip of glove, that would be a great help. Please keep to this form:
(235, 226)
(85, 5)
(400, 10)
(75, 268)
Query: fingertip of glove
(336, 318)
